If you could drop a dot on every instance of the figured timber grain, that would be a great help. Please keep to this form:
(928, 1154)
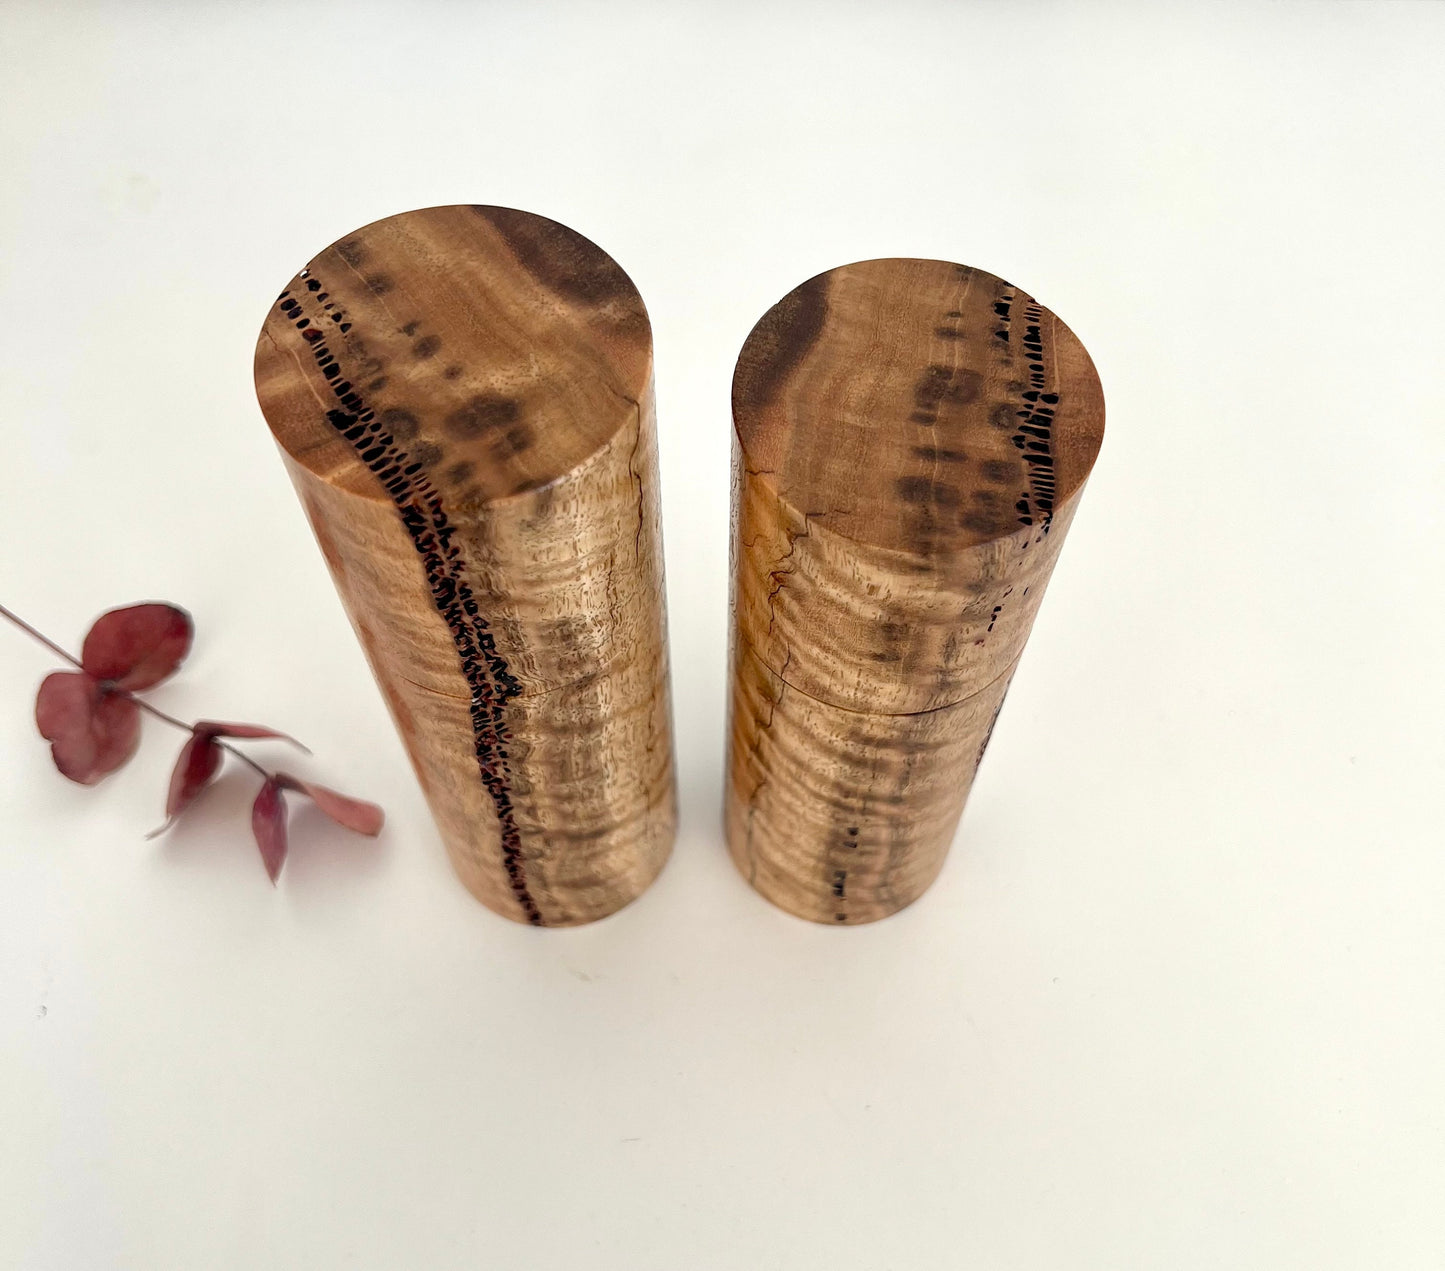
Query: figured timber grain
(463, 398)
(911, 438)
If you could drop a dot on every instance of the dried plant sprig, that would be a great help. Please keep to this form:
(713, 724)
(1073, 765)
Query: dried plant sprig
(91, 718)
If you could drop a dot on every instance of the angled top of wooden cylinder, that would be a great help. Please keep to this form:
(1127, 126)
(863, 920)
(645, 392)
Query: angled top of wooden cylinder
(910, 433)
(902, 398)
(501, 348)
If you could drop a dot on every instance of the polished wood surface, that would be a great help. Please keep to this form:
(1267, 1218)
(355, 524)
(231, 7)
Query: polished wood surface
(911, 441)
(463, 397)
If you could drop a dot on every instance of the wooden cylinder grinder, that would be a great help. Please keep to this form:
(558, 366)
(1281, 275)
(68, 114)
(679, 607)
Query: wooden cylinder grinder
(463, 398)
(911, 441)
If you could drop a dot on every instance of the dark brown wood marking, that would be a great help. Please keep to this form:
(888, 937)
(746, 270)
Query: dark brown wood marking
(780, 341)
(558, 257)
(988, 733)
(401, 473)
(1034, 435)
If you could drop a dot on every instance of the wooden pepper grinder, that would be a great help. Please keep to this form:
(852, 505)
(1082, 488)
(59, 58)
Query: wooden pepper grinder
(911, 441)
(463, 398)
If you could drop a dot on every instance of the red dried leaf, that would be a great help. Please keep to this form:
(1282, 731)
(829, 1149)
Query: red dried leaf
(268, 824)
(355, 814)
(137, 647)
(91, 732)
(199, 761)
(214, 729)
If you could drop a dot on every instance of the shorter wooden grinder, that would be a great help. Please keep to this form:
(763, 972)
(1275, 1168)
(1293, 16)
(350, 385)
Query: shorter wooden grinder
(463, 397)
(911, 441)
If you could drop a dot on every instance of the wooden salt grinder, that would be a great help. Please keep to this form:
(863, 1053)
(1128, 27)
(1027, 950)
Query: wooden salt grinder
(911, 441)
(463, 398)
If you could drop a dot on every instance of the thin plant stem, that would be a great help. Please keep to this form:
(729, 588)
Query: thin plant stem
(243, 757)
(180, 723)
(44, 639)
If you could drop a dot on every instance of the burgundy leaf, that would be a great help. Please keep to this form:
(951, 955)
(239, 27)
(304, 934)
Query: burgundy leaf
(268, 824)
(214, 729)
(137, 647)
(199, 759)
(91, 732)
(354, 814)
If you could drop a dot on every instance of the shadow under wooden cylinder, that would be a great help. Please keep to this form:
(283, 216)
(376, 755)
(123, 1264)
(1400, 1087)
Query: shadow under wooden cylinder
(463, 399)
(911, 439)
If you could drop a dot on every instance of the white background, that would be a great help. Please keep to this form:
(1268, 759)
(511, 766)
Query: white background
(1177, 1001)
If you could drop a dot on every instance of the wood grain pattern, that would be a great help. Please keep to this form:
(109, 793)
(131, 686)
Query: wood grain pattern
(463, 397)
(911, 441)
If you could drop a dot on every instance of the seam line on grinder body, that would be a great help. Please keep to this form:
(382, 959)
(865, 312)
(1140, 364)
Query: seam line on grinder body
(932, 710)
